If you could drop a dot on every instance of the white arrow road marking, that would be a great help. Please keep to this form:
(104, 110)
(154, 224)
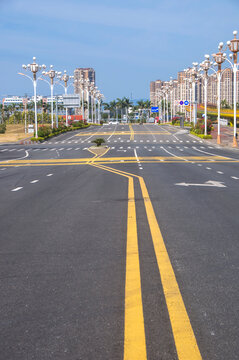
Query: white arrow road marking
(207, 183)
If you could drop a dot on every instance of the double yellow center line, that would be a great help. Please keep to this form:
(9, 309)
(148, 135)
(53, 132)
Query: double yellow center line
(134, 339)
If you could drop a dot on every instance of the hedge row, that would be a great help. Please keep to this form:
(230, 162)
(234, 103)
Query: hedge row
(201, 135)
(46, 132)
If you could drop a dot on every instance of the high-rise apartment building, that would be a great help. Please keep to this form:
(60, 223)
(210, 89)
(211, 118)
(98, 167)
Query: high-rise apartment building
(86, 74)
(181, 90)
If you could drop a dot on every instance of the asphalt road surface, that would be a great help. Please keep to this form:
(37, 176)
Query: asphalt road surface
(128, 253)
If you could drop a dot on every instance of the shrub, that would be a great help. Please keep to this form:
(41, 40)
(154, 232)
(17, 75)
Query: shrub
(175, 120)
(98, 141)
(3, 128)
(37, 139)
(199, 128)
(44, 131)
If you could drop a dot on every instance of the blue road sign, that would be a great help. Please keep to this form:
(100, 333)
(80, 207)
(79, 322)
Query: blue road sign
(186, 103)
(154, 109)
(181, 102)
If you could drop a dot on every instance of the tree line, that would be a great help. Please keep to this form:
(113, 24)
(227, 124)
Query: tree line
(120, 107)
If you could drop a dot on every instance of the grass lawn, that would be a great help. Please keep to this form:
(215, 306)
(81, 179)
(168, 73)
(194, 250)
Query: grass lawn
(14, 133)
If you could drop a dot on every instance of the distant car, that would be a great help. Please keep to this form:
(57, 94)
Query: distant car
(113, 122)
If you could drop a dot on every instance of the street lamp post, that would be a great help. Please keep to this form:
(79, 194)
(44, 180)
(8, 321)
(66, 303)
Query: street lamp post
(194, 72)
(34, 68)
(205, 66)
(65, 78)
(82, 82)
(52, 73)
(219, 60)
(234, 48)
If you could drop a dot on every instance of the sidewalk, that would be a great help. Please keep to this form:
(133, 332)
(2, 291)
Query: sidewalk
(226, 135)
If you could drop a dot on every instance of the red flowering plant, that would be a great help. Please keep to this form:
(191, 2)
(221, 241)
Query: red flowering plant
(199, 128)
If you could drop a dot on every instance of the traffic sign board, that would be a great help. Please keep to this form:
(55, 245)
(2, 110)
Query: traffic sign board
(154, 109)
(181, 102)
(186, 103)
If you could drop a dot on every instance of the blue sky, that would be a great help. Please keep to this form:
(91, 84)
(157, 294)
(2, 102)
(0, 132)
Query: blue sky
(128, 43)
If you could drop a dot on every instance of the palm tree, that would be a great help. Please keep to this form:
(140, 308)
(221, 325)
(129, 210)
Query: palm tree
(107, 107)
(127, 104)
(120, 105)
(113, 106)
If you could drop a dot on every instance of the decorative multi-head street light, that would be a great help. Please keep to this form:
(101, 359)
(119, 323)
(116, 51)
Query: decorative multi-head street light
(51, 73)
(205, 66)
(166, 90)
(87, 86)
(93, 103)
(82, 83)
(194, 74)
(34, 68)
(65, 78)
(233, 46)
(188, 81)
(219, 59)
(99, 98)
(170, 85)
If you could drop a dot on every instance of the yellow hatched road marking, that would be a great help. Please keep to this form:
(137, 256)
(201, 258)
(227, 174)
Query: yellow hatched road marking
(134, 332)
(185, 341)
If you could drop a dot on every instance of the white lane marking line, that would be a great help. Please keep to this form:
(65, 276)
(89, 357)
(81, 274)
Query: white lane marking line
(34, 181)
(208, 168)
(205, 152)
(136, 155)
(49, 174)
(180, 157)
(12, 150)
(52, 149)
(220, 172)
(18, 188)
(23, 157)
(69, 149)
(112, 133)
(44, 149)
(234, 177)
(4, 150)
(61, 149)
(77, 149)
(199, 164)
